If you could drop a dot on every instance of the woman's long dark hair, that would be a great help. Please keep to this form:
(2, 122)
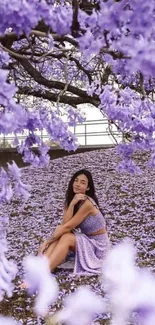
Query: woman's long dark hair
(70, 194)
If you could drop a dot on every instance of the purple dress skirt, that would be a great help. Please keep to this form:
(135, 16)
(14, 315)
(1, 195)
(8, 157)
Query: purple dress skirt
(90, 250)
(90, 253)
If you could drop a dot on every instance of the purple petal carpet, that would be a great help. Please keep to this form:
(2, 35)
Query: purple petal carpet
(128, 202)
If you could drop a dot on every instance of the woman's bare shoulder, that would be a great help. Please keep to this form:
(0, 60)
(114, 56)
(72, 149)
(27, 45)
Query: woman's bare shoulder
(87, 204)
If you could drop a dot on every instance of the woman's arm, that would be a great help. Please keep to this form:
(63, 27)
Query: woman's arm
(68, 213)
(81, 214)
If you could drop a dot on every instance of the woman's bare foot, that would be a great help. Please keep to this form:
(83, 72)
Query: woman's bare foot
(24, 285)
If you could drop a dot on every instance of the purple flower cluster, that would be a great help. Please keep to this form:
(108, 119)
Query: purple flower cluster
(134, 117)
(75, 117)
(11, 183)
(129, 288)
(19, 16)
(59, 132)
(4, 58)
(40, 279)
(129, 29)
(112, 36)
(22, 16)
(8, 269)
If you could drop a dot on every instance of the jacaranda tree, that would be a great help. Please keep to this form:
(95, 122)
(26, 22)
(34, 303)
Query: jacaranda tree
(66, 53)
(56, 55)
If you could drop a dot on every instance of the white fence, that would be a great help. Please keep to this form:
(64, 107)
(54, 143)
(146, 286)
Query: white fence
(91, 132)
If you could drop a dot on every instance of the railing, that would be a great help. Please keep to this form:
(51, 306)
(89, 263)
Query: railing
(85, 132)
(102, 131)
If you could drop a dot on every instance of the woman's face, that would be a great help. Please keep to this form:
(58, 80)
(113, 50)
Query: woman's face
(80, 185)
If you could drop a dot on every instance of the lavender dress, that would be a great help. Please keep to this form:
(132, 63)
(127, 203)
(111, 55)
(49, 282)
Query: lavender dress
(90, 250)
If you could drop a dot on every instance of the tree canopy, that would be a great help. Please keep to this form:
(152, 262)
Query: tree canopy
(66, 53)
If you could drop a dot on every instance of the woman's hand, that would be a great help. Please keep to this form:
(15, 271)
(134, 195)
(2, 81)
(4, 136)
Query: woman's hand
(59, 231)
(78, 197)
(44, 246)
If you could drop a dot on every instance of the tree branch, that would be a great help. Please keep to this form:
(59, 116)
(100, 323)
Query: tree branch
(36, 75)
(12, 37)
(57, 56)
(70, 100)
(75, 24)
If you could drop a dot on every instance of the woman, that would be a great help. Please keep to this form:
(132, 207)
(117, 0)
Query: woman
(81, 210)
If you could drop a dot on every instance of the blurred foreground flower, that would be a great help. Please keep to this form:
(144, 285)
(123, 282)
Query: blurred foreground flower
(130, 288)
(40, 280)
(7, 321)
(8, 271)
(80, 307)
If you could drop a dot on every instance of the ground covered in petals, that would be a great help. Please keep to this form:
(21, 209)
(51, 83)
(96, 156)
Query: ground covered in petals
(128, 203)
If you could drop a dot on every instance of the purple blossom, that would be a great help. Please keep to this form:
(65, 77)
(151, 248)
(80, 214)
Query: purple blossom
(125, 149)
(23, 190)
(7, 321)
(75, 117)
(80, 307)
(40, 280)
(7, 190)
(128, 166)
(4, 58)
(14, 170)
(20, 12)
(89, 44)
(112, 37)
(8, 271)
(129, 288)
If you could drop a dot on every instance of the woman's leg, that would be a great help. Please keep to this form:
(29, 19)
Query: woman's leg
(50, 249)
(48, 252)
(58, 252)
(66, 242)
